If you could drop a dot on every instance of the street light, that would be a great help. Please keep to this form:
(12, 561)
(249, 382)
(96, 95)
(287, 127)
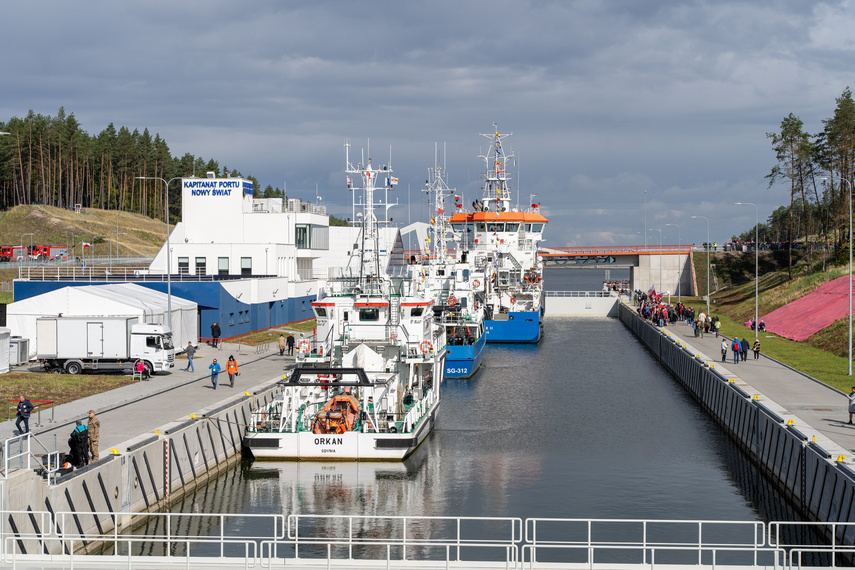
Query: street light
(679, 263)
(850, 270)
(756, 265)
(168, 250)
(708, 260)
(660, 257)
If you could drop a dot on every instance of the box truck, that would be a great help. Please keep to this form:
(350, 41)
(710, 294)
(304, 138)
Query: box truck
(75, 344)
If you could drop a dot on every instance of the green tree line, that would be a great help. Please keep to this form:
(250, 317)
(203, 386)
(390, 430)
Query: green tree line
(817, 170)
(53, 161)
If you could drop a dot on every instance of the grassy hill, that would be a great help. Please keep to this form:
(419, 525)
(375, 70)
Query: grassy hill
(823, 355)
(142, 237)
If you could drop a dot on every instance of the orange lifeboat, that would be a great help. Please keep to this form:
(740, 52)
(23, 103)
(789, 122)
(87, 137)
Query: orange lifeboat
(337, 416)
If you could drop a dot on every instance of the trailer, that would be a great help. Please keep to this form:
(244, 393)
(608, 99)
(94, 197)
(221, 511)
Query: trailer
(76, 344)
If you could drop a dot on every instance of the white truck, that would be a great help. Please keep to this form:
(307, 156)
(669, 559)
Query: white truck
(75, 344)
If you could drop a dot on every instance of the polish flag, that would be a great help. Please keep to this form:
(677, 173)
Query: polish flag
(86, 244)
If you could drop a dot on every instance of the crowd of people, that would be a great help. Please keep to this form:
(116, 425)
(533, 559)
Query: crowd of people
(620, 286)
(655, 309)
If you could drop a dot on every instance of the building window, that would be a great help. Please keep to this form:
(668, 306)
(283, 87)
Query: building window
(302, 236)
(231, 319)
(200, 266)
(183, 265)
(222, 266)
(246, 266)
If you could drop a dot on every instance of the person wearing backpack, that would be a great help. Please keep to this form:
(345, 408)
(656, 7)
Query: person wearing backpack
(736, 347)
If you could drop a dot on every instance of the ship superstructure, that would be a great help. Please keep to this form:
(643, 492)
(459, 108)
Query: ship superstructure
(505, 239)
(368, 384)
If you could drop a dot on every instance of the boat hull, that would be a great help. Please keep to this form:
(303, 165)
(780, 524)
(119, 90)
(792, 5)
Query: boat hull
(520, 327)
(464, 361)
(348, 446)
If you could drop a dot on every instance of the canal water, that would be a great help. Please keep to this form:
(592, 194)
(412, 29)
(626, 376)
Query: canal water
(585, 424)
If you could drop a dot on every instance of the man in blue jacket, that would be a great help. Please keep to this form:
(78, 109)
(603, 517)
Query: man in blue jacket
(25, 407)
(215, 372)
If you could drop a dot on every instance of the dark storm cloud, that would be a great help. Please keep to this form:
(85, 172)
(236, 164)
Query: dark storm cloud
(606, 100)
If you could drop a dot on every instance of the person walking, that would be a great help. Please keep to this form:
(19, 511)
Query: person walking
(717, 326)
(232, 369)
(190, 351)
(215, 334)
(744, 344)
(281, 344)
(215, 372)
(757, 349)
(290, 342)
(737, 348)
(851, 404)
(94, 429)
(24, 409)
(724, 350)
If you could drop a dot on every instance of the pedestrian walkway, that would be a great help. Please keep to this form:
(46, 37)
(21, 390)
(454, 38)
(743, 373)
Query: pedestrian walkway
(142, 407)
(824, 408)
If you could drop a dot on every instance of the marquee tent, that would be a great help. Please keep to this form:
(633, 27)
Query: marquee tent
(120, 299)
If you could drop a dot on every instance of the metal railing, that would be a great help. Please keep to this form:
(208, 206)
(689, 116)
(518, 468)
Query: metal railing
(20, 449)
(267, 540)
(581, 293)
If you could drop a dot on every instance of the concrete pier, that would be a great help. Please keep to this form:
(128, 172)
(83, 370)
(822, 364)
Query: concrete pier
(162, 450)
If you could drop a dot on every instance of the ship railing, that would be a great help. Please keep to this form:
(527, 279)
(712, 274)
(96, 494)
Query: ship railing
(641, 542)
(599, 294)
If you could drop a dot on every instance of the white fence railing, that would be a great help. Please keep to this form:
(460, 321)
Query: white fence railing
(268, 540)
(581, 293)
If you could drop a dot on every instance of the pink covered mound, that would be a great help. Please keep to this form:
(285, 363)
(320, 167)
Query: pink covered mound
(800, 319)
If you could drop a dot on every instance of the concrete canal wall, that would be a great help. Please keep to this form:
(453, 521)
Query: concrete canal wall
(806, 472)
(581, 304)
(148, 472)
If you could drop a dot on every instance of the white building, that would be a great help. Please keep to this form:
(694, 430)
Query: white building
(226, 232)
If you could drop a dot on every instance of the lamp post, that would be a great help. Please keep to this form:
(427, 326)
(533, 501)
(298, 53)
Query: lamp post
(660, 257)
(756, 265)
(645, 219)
(679, 263)
(850, 268)
(168, 250)
(708, 260)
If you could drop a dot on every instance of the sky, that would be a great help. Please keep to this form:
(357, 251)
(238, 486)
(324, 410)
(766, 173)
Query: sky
(616, 107)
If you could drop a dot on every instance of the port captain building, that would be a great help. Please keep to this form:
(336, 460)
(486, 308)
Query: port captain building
(248, 263)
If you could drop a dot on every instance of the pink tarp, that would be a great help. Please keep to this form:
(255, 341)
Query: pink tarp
(802, 318)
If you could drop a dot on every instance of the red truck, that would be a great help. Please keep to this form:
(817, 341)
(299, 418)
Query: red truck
(10, 252)
(48, 251)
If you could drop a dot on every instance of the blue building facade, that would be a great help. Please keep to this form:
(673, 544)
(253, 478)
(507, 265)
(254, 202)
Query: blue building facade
(215, 304)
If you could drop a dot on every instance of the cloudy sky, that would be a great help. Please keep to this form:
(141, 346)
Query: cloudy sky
(610, 102)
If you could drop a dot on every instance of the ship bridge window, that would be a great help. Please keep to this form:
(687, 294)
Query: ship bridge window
(321, 311)
(369, 314)
(183, 265)
(480, 227)
(528, 227)
(417, 311)
(457, 226)
(512, 227)
(537, 228)
(496, 227)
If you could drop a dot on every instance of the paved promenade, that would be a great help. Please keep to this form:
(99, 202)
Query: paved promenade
(822, 407)
(142, 407)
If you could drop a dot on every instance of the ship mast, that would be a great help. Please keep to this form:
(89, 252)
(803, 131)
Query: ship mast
(439, 221)
(366, 175)
(497, 194)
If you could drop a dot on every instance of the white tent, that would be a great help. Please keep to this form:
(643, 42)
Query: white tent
(5, 335)
(122, 299)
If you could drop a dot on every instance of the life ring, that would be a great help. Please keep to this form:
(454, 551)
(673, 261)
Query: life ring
(304, 346)
(476, 283)
(513, 300)
(426, 346)
(452, 301)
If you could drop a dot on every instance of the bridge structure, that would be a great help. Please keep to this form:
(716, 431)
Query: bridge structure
(660, 266)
